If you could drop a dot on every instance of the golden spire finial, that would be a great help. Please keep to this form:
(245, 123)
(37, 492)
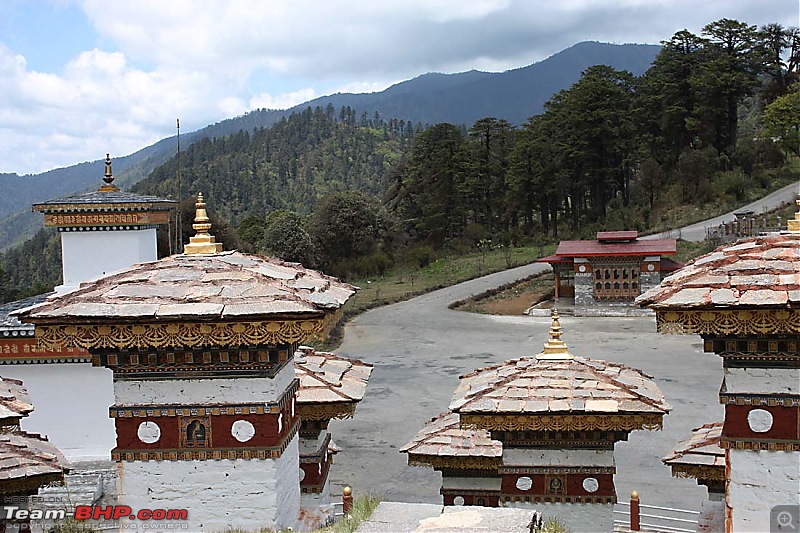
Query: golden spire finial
(794, 225)
(108, 178)
(555, 348)
(202, 242)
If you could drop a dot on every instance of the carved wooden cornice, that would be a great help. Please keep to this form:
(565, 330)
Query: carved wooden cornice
(326, 411)
(537, 470)
(562, 422)
(30, 484)
(777, 400)
(161, 335)
(700, 472)
(451, 462)
(507, 498)
(730, 322)
(762, 445)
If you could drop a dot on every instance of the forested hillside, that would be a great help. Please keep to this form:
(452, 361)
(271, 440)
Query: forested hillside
(713, 123)
(458, 98)
(287, 166)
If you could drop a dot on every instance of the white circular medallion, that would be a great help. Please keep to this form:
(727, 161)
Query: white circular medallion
(302, 474)
(280, 422)
(582, 268)
(242, 430)
(524, 483)
(759, 420)
(651, 267)
(590, 484)
(458, 500)
(149, 432)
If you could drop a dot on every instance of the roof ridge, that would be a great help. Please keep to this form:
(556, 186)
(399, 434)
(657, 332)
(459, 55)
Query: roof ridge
(608, 379)
(331, 386)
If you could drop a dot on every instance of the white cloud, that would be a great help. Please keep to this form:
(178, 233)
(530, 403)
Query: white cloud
(283, 100)
(196, 60)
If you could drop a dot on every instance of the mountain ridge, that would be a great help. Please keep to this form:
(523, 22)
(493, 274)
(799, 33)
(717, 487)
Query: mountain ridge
(459, 98)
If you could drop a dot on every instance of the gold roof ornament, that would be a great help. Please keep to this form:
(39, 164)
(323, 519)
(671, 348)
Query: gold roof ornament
(203, 242)
(794, 225)
(555, 349)
(108, 178)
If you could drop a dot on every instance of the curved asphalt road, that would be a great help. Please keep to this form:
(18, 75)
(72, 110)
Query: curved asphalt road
(420, 347)
(697, 232)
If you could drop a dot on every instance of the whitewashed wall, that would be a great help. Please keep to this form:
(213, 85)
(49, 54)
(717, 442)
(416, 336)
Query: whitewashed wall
(90, 254)
(71, 404)
(763, 380)
(203, 391)
(246, 494)
(760, 480)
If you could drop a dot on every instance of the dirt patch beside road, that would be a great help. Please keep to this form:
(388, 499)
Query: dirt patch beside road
(510, 299)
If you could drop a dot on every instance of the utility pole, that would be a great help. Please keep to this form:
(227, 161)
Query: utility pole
(179, 239)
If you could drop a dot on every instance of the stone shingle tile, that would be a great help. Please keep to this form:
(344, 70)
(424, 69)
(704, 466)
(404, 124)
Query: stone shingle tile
(198, 286)
(760, 272)
(700, 448)
(329, 378)
(763, 297)
(465, 442)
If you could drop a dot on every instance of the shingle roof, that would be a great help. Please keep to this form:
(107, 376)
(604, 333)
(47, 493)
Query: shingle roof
(328, 378)
(93, 200)
(633, 248)
(442, 436)
(27, 461)
(576, 386)
(701, 448)
(10, 324)
(227, 286)
(556, 382)
(761, 272)
(14, 400)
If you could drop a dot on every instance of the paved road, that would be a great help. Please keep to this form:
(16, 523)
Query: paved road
(419, 348)
(697, 232)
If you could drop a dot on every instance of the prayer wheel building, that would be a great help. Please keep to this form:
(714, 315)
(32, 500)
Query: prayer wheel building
(610, 272)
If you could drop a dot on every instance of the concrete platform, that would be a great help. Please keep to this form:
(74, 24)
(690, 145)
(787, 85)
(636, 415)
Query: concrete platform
(398, 517)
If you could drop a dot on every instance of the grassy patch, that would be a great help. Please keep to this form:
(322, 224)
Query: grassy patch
(363, 506)
(405, 282)
(513, 298)
(688, 250)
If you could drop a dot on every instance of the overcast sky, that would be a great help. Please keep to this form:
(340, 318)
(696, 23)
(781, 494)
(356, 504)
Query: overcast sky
(82, 78)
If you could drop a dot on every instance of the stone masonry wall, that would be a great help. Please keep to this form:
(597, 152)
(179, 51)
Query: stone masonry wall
(584, 289)
(648, 280)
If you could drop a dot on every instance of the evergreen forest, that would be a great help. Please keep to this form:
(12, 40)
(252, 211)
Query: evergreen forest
(714, 123)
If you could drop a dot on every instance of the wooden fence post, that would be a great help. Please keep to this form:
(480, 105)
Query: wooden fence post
(347, 501)
(635, 511)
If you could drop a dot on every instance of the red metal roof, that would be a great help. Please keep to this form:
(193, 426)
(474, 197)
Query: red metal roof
(629, 235)
(596, 248)
(554, 259)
